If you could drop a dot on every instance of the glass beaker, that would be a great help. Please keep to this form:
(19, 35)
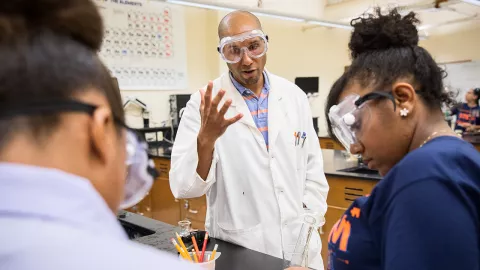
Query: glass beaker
(288, 253)
(301, 250)
(185, 226)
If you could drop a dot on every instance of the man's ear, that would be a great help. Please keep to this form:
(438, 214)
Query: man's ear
(100, 137)
(405, 96)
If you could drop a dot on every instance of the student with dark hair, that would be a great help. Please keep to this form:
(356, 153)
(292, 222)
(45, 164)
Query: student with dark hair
(64, 165)
(468, 113)
(425, 212)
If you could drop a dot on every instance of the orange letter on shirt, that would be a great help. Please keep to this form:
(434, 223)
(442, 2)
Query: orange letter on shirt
(341, 229)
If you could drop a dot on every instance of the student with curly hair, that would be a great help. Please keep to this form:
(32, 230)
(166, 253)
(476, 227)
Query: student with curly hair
(64, 148)
(425, 212)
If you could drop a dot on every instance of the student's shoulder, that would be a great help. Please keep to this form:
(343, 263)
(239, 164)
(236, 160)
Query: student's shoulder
(443, 159)
(101, 253)
(444, 150)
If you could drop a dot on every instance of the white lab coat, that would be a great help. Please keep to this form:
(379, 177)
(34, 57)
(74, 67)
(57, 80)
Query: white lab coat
(255, 197)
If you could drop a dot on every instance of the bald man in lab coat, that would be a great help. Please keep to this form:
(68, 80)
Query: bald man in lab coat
(247, 141)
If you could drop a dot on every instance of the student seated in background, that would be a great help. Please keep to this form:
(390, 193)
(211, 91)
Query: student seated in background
(425, 212)
(63, 145)
(468, 113)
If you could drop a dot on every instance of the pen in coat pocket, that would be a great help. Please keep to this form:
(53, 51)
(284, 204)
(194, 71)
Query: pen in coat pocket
(304, 136)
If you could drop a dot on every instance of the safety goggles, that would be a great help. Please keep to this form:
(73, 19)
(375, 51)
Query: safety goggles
(254, 43)
(349, 119)
(141, 170)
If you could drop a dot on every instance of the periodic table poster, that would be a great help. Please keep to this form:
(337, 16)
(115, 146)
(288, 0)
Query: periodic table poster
(144, 44)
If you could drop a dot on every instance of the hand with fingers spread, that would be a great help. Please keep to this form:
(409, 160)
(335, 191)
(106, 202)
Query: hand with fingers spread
(213, 125)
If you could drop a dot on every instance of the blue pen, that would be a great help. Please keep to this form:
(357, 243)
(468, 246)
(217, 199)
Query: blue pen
(304, 136)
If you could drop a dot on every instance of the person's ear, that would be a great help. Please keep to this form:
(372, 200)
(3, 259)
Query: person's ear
(100, 134)
(405, 98)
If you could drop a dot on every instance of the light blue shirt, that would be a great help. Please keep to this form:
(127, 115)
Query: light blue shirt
(51, 220)
(258, 106)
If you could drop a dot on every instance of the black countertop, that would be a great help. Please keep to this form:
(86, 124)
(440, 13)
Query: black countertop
(333, 161)
(232, 257)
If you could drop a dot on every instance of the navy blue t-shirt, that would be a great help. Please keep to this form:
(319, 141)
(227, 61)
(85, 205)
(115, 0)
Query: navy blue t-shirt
(466, 114)
(424, 214)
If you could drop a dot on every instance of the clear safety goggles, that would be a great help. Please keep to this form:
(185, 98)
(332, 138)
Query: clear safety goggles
(349, 119)
(254, 43)
(141, 170)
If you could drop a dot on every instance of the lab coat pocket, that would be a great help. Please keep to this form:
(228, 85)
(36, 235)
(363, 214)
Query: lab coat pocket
(251, 238)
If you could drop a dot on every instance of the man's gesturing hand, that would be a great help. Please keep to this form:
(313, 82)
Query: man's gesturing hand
(214, 123)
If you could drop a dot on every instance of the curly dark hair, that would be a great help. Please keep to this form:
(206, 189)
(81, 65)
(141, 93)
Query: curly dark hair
(384, 48)
(48, 50)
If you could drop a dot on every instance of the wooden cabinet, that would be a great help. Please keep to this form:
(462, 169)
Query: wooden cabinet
(164, 206)
(329, 143)
(143, 208)
(161, 205)
(194, 210)
(343, 191)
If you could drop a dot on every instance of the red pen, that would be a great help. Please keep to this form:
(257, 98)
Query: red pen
(204, 246)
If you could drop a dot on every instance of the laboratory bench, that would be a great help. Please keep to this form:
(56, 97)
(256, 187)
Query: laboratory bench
(346, 179)
(160, 205)
(158, 234)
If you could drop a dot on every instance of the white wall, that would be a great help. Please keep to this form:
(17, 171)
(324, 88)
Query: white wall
(316, 52)
(457, 47)
(293, 53)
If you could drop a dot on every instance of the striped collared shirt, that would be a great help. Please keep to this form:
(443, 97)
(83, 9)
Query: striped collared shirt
(258, 106)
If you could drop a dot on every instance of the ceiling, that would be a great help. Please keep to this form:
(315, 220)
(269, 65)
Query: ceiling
(449, 17)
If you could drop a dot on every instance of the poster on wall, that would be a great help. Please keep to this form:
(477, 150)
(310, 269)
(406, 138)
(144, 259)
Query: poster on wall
(144, 44)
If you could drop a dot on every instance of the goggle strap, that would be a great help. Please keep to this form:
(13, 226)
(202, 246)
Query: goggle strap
(375, 95)
(47, 106)
(153, 172)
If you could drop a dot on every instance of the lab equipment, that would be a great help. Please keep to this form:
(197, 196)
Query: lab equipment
(311, 223)
(288, 253)
(208, 264)
(254, 43)
(185, 228)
